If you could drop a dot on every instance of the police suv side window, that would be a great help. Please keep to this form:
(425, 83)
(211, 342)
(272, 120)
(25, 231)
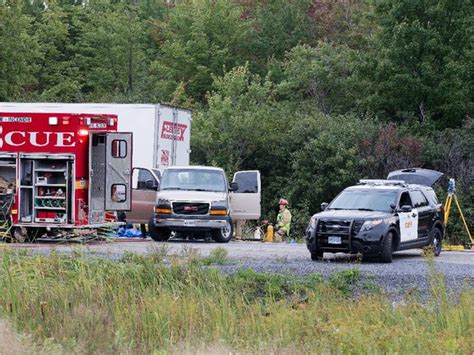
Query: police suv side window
(419, 200)
(405, 199)
(431, 195)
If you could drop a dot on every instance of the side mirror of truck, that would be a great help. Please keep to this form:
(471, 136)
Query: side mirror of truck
(151, 185)
(324, 205)
(233, 186)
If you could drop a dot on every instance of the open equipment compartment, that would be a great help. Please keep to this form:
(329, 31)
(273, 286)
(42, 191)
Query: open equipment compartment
(52, 189)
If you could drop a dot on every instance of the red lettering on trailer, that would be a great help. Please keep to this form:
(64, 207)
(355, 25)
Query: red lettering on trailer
(174, 131)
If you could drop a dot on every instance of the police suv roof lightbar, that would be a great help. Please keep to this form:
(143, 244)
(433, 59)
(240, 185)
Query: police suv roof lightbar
(381, 182)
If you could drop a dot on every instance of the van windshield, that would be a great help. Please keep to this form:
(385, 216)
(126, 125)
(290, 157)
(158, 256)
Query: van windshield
(193, 180)
(364, 200)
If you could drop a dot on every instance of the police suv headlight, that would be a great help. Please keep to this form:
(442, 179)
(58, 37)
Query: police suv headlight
(368, 225)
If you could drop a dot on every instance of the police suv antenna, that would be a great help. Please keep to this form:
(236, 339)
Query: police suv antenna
(447, 207)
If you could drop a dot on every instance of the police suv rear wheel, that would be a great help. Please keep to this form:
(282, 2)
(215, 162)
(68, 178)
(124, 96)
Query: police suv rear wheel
(224, 235)
(436, 242)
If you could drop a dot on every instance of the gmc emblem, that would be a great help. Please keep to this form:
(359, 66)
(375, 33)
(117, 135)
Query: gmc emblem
(190, 208)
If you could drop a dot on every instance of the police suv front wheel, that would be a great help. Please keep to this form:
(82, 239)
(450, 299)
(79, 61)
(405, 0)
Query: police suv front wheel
(317, 255)
(387, 248)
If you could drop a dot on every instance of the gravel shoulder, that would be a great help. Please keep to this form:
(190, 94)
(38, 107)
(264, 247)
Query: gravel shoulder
(408, 273)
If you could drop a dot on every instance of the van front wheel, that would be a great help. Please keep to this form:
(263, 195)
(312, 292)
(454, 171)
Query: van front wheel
(224, 235)
(158, 234)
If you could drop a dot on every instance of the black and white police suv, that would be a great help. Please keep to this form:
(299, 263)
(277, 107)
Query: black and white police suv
(379, 217)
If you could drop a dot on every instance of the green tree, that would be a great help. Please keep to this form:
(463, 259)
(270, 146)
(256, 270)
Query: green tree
(197, 40)
(420, 65)
(57, 76)
(111, 53)
(18, 53)
(321, 76)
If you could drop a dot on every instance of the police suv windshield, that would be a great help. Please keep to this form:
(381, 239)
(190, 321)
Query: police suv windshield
(193, 180)
(364, 200)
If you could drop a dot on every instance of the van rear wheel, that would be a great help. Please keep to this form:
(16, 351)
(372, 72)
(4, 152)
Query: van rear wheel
(158, 234)
(224, 235)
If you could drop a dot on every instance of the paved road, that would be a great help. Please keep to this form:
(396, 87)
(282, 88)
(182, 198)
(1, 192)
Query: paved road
(407, 273)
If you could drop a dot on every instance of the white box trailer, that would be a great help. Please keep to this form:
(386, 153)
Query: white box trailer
(161, 133)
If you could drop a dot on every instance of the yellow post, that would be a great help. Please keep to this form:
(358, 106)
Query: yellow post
(269, 236)
(447, 208)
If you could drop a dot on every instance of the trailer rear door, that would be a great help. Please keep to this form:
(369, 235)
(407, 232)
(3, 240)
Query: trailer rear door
(118, 168)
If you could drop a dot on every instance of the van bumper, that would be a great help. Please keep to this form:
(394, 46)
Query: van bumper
(191, 223)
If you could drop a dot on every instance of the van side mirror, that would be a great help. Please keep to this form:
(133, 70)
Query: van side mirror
(405, 208)
(393, 206)
(151, 185)
(324, 205)
(233, 186)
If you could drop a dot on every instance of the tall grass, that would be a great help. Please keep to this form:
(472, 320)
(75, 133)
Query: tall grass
(140, 305)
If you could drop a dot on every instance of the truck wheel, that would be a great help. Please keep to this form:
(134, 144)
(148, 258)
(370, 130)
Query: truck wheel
(158, 234)
(19, 235)
(224, 235)
(386, 254)
(317, 255)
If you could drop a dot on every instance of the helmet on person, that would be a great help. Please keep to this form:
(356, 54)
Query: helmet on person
(283, 202)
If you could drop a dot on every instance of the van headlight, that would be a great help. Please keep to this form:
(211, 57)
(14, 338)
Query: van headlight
(163, 202)
(368, 225)
(220, 203)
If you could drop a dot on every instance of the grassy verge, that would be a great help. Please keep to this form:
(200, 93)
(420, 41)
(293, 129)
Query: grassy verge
(139, 305)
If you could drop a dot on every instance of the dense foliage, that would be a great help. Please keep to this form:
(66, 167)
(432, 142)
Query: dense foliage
(314, 93)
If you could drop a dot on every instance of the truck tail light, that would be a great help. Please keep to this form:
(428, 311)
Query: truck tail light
(162, 210)
(220, 212)
(66, 120)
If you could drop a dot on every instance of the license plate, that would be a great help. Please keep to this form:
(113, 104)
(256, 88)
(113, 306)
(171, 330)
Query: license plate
(189, 223)
(334, 240)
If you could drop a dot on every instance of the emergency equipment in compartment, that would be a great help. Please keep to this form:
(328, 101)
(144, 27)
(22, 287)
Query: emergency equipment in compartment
(61, 171)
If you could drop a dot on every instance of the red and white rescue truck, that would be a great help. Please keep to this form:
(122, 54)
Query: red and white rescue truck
(62, 171)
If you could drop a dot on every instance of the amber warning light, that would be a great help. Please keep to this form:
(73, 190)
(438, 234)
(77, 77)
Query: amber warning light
(83, 132)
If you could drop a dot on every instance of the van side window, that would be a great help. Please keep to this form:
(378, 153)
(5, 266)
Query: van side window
(248, 181)
(139, 178)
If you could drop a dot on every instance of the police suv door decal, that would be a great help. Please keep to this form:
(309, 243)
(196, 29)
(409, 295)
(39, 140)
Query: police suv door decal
(408, 225)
